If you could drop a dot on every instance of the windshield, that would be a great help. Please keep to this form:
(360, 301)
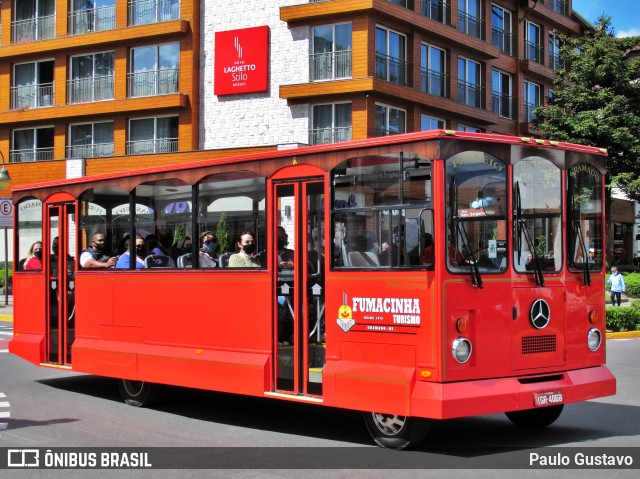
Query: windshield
(538, 182)
(476, 213)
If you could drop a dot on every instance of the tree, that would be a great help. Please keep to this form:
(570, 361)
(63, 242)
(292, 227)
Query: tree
(596, 101)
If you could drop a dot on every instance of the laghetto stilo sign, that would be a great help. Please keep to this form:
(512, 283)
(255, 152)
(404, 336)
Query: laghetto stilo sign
(242, 61)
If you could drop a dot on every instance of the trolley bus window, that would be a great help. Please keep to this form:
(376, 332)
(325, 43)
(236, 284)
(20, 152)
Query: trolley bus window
(29, 231)
(585, 243)
(228, 204)
(476, 214)
(382, 212)
(538, 182)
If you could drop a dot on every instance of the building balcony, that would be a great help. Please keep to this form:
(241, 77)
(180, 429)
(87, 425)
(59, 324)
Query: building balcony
(86, 90)
(93, 20)
(555, 62)
(152, 83)
(471, 94)
(559, 6)
(471, 25)
(530, 112)
(533, 52)
(330, 65)
(322, 136)
(392, 69)
(96, 150)
(434, 83)
(502, 40)
(437, 10)
(144, 12)
(31, 29)
(149, 147)
(32, 96)
(502, 105)
(31, 154)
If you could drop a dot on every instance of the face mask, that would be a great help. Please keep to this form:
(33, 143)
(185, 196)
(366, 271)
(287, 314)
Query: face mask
(101, 247)
(187, 248)
(37, 254)
(54, 249)
(249, 248)
(281, 243)
(141, 250)
(211, 247)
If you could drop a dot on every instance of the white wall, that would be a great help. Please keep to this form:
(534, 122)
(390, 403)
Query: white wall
(253, 119)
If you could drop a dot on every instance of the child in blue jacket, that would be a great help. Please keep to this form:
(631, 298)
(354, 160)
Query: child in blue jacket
(616, 280)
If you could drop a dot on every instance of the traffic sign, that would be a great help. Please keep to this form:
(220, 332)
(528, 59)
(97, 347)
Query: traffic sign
(6, 213)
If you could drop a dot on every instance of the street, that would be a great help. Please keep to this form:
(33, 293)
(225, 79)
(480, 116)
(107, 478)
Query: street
(55, 408)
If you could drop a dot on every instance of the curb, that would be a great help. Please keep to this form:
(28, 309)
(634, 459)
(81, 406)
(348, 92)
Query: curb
(6, 317)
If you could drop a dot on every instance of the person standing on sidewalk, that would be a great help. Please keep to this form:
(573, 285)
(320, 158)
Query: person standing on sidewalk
(616, 280)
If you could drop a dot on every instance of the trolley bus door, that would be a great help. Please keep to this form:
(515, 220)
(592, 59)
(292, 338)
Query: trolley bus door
(298, 267)
(61, 229)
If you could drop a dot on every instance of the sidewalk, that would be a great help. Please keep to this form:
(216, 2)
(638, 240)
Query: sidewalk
(6, 310)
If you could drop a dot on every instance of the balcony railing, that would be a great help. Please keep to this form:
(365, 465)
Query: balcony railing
(502, 105)
(86, 90)
(31, 154)
(529, 112)
(503, 40)
(96, 150)
(321, 136)
(471, 25)
(32, 96)
(152, 83)
(437, 10)
(94, 20)
(148, 147)
(471, 94)
(392, 69)
(403, 3)
(559, 6)
(386, 132)
(143, 12)
(434, 83)
(533, 52)
(37, 28)
(555, 61)
(330, 65)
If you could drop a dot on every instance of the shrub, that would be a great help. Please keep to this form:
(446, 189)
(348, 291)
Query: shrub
(632, 281)
(623, 318)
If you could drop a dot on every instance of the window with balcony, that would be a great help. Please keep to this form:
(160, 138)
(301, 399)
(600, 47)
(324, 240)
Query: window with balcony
(391, 56)
(437, 10)
(90, 140)
(389, 120)
(428, 122)
(154, 70)
(470, 129)
(501, 29)
(153, 135)
(559, 6)
(34, 20)
(501, 93)
(92, 16)
(554, 52)
(32, 85)
(331, 57)
(91, 78)
(433, 79)
(331, 123)
(142, 12)
(32, 144)
(533, 43)
(532, 99)
(470, 91)
(469, 18)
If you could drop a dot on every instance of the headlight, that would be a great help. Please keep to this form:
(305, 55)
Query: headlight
(461, 350)
(594, 339)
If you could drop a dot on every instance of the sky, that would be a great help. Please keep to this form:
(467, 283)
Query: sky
(625, 14)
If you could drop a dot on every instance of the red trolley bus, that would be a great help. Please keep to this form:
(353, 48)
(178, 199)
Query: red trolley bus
(427, 276)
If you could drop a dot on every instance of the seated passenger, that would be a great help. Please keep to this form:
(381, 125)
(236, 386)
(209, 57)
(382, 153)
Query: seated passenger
(428, 255)
(285, 255)
(33, 262)
(208, 256)
(96, 257)
(124, 261)
(243, 258)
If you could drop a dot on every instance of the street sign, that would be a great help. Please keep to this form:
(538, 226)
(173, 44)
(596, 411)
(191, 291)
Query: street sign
(6, 213)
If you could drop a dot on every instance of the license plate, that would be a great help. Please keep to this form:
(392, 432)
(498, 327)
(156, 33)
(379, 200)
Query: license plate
(548, 398)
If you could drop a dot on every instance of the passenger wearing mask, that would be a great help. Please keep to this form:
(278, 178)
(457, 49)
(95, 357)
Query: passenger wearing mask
(96, 256)
(245, 248)
(184, 245)
(208, 256)
(33, 262)
(124, 261)
(285, 255)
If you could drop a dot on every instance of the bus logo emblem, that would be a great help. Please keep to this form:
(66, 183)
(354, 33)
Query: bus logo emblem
(540, 314)
(345, 315)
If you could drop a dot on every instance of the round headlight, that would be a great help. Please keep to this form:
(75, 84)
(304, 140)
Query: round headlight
(594, 339)
(461, 350)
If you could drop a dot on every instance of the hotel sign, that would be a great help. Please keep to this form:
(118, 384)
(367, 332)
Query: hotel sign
(242, 61)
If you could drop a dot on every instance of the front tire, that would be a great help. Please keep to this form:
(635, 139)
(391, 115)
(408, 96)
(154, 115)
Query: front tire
(396, 432)
(139, 393)
(535, 418)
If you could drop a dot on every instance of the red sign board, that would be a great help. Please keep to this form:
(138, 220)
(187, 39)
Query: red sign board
(242, 61)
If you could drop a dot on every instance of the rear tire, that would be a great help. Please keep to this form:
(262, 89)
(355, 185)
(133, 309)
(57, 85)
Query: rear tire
(139, 393)
(535, 418)
(396, 432)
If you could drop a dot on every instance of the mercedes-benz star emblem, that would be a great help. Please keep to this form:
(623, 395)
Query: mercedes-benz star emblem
(540, 313)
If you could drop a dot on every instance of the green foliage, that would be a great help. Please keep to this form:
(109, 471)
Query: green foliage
(632, 280)
(597, 102)
(2, 278)
(222, 232)
(621, 318)
(179, 234)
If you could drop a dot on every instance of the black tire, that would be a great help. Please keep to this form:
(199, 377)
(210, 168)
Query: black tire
(535, 418)
(396, 432)
(139, 393)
